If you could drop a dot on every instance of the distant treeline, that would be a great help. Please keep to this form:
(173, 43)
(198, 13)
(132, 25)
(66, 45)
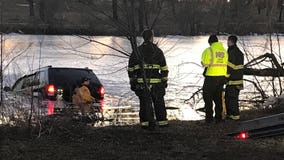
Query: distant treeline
(179, 17)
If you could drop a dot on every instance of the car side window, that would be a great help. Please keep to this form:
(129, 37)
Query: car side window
(36, 79)
(28, 81)
(25, 83)
(18, 85)
(42, 78)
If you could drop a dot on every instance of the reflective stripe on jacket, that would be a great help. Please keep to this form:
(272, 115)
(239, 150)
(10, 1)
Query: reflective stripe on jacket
(160, 123)
(215, 59)
(154, 64)
(146, 124)
(235, 66)
(163, 123)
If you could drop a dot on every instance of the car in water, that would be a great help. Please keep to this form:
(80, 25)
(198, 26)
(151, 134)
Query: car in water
(52, 87)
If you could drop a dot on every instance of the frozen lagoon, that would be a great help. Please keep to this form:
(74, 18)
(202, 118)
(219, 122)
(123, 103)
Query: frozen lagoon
(25, 53)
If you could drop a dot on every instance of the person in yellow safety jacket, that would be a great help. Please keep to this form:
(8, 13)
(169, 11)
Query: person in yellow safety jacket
(149, 64)
(235, 79)
(83, 97)
(214, 59)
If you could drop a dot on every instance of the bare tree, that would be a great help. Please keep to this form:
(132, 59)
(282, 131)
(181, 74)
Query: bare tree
(260, 4)
(280, 6)
(220, 15)
(31, 6)
(173, 4)
(141, 15)
(127, 25)
(49, 9)
(114, 10)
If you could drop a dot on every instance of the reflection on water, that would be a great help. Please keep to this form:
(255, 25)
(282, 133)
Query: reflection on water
(25, 53)
(127, 115)
(126, 111)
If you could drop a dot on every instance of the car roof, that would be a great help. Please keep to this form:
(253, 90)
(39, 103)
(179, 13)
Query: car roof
(47, 68)
(50, 67)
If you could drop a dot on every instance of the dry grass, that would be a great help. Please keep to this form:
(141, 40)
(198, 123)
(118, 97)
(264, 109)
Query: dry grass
(67, 139)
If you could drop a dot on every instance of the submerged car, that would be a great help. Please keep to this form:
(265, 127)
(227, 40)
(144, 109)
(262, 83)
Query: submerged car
(52, 87)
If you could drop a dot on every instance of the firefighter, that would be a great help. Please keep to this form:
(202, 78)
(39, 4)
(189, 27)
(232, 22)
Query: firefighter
(235, 80)
(148, 75)
(214, 59)
(85, 99)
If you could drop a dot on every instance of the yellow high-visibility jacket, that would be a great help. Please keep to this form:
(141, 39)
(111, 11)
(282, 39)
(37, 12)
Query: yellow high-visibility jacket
(215, 59)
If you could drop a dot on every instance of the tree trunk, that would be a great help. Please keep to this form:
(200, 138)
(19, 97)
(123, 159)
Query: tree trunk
(42, 10)
(221, 15)
(280, 5)
(272, 72)
(141, 15)
(31, 6)
(114, 10)
(260, 4)
(267, 7)
(48, 10)
(132, 18)
(173, 4)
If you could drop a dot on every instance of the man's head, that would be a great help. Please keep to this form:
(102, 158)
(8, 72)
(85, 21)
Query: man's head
(148, 35)
(232, 40)
(212, 39)
(85, 80)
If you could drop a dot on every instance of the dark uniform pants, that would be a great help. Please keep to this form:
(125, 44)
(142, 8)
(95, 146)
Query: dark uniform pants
(231, 100)
(147, 100)
(212, 91)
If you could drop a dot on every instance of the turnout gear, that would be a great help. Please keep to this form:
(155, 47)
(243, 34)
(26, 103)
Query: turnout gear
(214, 59)
(76, 99)
(149, 65)
(234, 81)
(154, 67)
(85, 95)
(82, 97)
(235, 66)
(86, 99)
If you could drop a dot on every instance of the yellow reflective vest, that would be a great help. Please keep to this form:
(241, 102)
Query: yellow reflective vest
(215, 59)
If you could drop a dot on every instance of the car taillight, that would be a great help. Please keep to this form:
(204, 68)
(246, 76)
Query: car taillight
(242, 135)
(102, 91)
(50, 89)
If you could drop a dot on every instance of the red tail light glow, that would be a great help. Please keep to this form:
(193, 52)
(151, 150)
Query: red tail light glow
(102, 91)
(242, 135)
(102, 102)
(50, 89)
(50, 108)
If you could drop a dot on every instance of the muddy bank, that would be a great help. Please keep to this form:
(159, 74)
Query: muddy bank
(67, 139)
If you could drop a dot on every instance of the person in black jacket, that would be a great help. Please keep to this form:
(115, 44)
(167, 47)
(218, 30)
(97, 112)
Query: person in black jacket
(148, 74)
(235, 80)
